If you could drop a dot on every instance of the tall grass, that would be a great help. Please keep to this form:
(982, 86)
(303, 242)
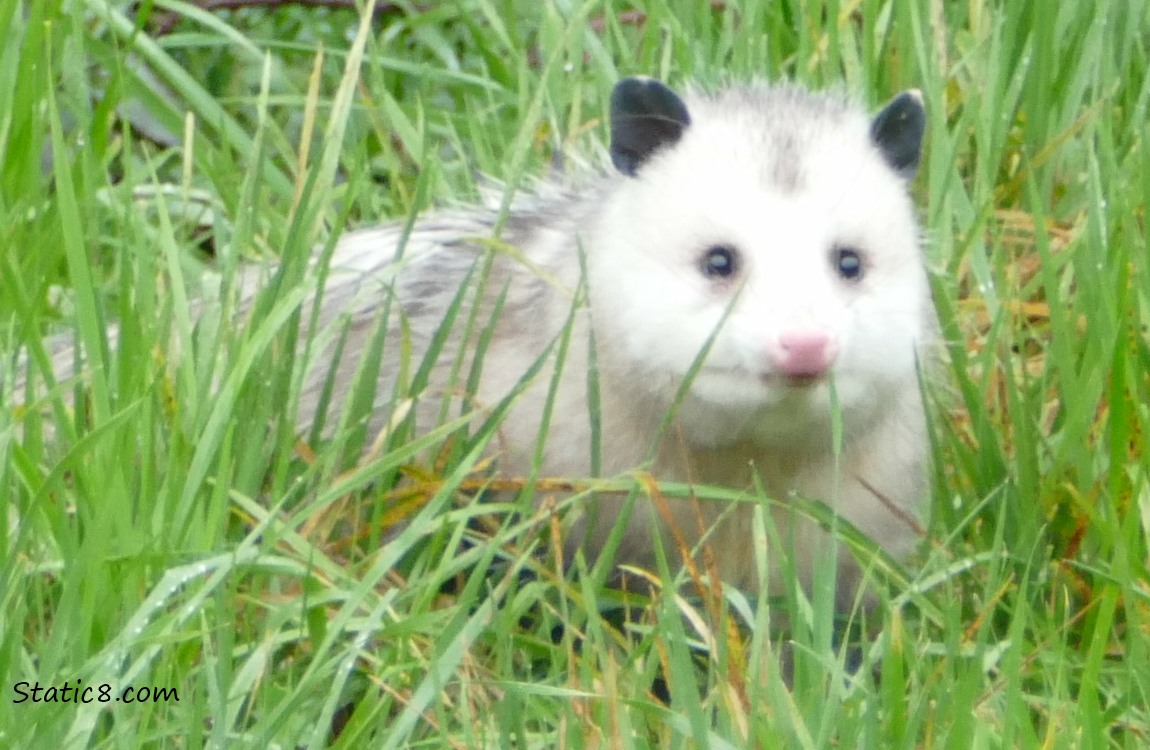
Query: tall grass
(166, 526)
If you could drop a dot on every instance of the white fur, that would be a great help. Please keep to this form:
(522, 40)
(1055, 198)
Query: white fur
(652, 311)
(780, 175)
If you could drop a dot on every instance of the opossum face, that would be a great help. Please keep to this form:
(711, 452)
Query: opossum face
(775, 225)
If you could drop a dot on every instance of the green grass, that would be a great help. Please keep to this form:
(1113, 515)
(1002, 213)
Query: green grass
(172, 532)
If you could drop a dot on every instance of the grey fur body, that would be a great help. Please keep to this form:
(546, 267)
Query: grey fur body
(724, 210)
(877, 482)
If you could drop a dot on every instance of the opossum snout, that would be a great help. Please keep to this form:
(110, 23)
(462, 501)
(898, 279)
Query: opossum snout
(803, 352)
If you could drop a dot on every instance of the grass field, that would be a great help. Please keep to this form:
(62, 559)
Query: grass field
(177, 533)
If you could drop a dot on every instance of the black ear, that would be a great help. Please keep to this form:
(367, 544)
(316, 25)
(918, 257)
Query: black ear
(645, 116)
(898, 131)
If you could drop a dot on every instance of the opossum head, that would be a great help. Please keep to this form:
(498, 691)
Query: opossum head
(774, 226)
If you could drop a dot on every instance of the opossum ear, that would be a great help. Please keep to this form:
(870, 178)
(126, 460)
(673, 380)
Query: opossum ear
(645, 116)
(898, 131)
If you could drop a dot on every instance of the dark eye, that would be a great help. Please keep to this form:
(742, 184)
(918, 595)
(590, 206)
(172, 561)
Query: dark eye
(719, 262)
(848, 263)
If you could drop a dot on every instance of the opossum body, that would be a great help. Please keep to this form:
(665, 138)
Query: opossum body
(767, 227)
(771, 222)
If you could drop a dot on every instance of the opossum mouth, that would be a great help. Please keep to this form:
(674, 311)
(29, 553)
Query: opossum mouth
(800, 381)
(777, 379)
(774, 380)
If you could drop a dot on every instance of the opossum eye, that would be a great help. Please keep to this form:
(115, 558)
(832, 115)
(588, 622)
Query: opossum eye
(719, 262)
(848, 263)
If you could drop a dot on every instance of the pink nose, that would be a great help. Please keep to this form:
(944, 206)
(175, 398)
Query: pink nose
(804, 352)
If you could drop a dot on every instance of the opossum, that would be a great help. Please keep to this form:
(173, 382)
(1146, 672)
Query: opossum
(751, 266)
